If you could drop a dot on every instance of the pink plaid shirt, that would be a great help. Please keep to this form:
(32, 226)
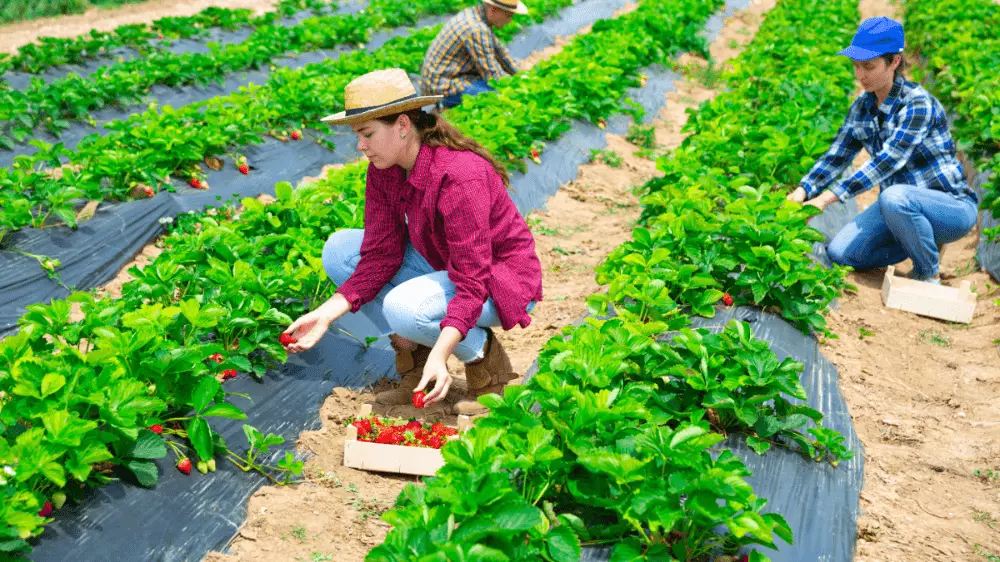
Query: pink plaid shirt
(457, 213)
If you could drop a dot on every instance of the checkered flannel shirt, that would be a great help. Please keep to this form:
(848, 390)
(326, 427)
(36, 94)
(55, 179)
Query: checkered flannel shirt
(464, 51)
(908, 136)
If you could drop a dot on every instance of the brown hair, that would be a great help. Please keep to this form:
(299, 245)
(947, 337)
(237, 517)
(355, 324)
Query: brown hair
(435, 130)
(902, 63)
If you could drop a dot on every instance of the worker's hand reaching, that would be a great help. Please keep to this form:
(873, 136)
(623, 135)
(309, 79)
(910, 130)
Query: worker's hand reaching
(799, 195)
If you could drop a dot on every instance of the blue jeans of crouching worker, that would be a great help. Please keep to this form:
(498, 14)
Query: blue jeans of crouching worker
(476, 88)
(414, 302)
(907, 222)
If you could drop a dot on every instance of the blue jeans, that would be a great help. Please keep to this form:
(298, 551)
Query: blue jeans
(907, 222)
(476, 88)
(414, 302)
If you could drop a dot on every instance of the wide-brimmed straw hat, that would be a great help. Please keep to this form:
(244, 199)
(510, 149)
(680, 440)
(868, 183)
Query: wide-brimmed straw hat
(377, 94)
(513, 6)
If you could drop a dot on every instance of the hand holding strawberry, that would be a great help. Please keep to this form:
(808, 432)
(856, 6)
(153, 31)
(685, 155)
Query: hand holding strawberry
(435, 369)
(309, 328)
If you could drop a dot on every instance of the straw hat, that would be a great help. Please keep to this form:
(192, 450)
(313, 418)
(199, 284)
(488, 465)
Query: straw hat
(377, 94)
(513, 6)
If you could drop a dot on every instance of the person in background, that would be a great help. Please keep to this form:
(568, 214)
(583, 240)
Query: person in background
(444, 256)
(924, 200)
(466, 54)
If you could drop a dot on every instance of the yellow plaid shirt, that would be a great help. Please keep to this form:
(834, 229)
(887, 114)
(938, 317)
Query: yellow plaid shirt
(464, 51)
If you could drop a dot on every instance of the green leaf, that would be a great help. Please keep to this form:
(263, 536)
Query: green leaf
(759, 446)
(148, 446)
(200, 435)
(563, 544)
(283, 191)
(51, 383)
(224, 410)
(206, 390)
(517, 517)
(145, 472)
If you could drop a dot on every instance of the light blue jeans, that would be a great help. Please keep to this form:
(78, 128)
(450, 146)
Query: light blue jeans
(414, 302)
(476, 88)
(907, 222)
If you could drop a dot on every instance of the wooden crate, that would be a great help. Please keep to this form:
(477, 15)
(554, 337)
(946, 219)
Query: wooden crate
(380, 457)
(926, 299)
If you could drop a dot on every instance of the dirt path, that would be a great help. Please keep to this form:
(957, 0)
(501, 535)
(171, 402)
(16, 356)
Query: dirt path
(334, 516)
(922, 396)
(18, 34)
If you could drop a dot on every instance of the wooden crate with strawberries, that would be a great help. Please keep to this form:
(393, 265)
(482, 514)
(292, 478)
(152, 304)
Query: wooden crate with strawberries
(387, 445)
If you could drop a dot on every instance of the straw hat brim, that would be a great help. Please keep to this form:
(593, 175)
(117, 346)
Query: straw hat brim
(521, 10)
(343, 118)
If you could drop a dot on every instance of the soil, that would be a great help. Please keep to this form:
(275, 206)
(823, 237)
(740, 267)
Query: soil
(336, 509)
(15, 35)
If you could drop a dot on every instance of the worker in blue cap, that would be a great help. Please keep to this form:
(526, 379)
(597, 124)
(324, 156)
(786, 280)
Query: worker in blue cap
(924, 200)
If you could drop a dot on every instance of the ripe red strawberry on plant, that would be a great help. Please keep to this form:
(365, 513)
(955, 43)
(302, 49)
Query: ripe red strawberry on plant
(46, 509)
(217, 357)
(184, 465)
(229, 374)
(727, 299)
(148, 191)
(156, 428)
(536, 156)
(296, 135)
(244, 169)
(195, 183)
(418, 398)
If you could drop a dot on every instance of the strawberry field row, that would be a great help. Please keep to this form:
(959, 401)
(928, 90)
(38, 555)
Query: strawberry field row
(610, 441)
(960, 48)
(143, 151)
(52, 105)
(51, 52)
(76, 395)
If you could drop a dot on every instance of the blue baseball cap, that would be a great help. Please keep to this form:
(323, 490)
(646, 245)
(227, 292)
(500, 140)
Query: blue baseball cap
(875, 37)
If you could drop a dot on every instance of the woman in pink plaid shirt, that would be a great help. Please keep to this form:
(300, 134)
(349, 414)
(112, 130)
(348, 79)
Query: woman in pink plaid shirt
(444, 256)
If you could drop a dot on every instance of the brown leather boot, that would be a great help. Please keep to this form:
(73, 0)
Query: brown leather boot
(486, 376)
(410, 366)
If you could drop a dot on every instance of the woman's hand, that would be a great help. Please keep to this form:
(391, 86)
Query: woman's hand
(435, 369)
(823, 200)
(799, 195)
(309, 328)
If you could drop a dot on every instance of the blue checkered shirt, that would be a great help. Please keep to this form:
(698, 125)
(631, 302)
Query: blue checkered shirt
(464, 51)
(910, 142)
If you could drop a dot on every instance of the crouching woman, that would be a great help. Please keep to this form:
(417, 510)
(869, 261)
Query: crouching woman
(444, 256)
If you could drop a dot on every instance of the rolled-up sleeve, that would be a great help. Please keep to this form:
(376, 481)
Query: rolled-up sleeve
(466, 216)
(382, 248)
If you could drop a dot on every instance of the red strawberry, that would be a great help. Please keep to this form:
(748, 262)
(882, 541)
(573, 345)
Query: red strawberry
(364, 426)
(418, 398)
(46, 509)
(195, 183)
(602, 124)
(244, 169)
(727, 299)
(389, 437)
(435, 442)
(160, 36)
(286, 339)
(413, 426)
(156, 428)
(229, 374)
(296, 135)
(536, 156)
(148, 191)
(437, 428)
(184, 466)
(217, 357)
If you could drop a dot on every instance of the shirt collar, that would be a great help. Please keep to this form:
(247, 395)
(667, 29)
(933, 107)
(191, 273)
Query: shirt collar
(893, 99)
(420, 175)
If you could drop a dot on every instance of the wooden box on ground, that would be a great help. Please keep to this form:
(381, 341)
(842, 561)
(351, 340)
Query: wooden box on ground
(379, 457)
(926, 299)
